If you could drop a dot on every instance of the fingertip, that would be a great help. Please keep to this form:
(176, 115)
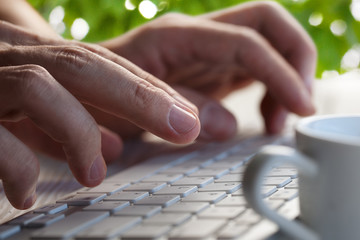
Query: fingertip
(217, 122)
(97, 171)
(29, 202)
(184, 122)
(111, 145)
(275, 121)
(307, 105)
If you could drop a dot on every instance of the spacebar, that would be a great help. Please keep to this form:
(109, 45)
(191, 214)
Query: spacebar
(70, 225)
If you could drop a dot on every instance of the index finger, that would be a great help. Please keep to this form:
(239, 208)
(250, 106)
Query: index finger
(106, 85)
(279, 28)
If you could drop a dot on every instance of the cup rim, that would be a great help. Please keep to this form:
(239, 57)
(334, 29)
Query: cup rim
(303, 127)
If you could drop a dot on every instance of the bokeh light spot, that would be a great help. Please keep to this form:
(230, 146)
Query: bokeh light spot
(351, 59)
(315, 19)
(79, 29)
(338, 27)
(147, 9)
(56, 18)
(355, 9)
(129, 5)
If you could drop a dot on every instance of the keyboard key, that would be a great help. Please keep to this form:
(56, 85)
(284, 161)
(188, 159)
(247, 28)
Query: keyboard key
(139, 211)
(211, 197)
(233, 201)
(293, 185)
(106, 187)
(8, 230)
(232, 231)
(240, 170)
(127, 196)
(283, 172)
(222, 212)
(147, 187)
(182, 191)
(238, 193)
(145, 232)
(26, 218)
(46, 220)
(109, 228)
(285, 194)
(183, 168)
(221, 187)
(197, 181)
(168, 178)
(159, 200)
(197, 229)
(110, 206)
(248, 217)
(229, 178)
(230, 162)
(186, 207)
(70, 225)
(82, 199)
(209, 172)
(275, 203)
(277, 181)
(268, 191)
(51, 208)
(168, 218)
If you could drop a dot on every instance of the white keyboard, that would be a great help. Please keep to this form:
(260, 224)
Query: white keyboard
(196, 195)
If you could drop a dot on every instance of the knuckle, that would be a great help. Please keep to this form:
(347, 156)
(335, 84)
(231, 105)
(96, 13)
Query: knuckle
(252, 38)
(90, 128)
(269, 7)
(174, 21)
(172, 17)
(143, 94)
(31, 81)
(146, 96)
(73, 57)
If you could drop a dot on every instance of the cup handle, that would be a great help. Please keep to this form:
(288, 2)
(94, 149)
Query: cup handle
(268, 158)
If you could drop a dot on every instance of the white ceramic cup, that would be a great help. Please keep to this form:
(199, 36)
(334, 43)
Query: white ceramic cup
(328, 161)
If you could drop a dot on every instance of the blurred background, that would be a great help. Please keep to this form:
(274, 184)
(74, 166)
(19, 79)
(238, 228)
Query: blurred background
(333, 24)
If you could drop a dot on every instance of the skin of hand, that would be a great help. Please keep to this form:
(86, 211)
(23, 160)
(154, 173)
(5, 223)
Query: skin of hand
(203, 58)
(211, 55)
(44, 84)
(206, 57)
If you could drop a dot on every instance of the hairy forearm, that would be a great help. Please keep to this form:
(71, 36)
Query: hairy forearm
(20, 12)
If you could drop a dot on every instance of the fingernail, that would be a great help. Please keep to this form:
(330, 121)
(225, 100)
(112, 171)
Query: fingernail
(98, 169)
(181, 121)
(30, 201)
(216, 122)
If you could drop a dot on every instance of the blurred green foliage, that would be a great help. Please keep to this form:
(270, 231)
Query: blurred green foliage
(110, 18)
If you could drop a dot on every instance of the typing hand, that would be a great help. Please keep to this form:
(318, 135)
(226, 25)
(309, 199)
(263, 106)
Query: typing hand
(44, 83)
(214, 54)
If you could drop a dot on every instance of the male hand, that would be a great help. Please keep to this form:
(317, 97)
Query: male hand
(212, 55)
(43, 86)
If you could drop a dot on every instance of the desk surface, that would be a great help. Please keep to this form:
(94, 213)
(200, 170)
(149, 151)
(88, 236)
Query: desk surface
(339, 95)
